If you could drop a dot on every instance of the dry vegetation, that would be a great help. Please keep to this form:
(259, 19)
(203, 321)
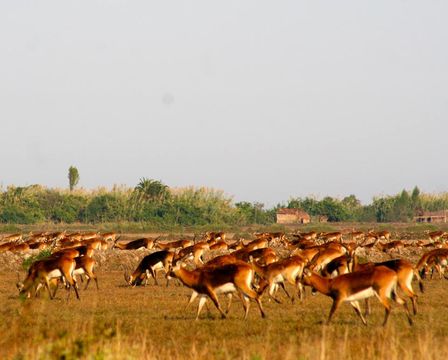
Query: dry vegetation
(150, 322)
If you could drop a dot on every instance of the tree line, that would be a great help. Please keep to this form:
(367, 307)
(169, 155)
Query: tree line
(153, 202)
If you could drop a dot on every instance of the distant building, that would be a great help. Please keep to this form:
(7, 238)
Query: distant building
(292, 216)
(432, 217)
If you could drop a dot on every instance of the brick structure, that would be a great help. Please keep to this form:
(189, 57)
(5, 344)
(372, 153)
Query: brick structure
(292, 216)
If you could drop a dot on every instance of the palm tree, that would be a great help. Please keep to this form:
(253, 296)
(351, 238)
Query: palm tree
(151, 190)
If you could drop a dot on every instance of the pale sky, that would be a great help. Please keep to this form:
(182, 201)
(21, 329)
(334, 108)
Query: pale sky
(266, 100)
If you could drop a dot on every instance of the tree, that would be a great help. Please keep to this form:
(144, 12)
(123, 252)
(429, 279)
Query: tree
(73, 177)
(151, 190)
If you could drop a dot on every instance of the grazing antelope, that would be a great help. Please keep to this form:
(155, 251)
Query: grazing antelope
(150, 265)
(436, 235)
(13, 238)
(210, 281)
(85, 266)
(436, 258)
(425, 260)
(146, 243)
(194, 252)
(352, 287)
(42, 271)
(396, 245)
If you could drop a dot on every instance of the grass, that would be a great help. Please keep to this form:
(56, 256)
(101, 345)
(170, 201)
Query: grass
(150, 323)
(120, 322)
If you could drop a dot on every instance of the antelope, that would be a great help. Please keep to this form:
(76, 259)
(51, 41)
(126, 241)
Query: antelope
(424, 261)
(257, 244)
(436, 235)
(13, 238)
(20, 247)
(150, 265)
(214, 236)
(220, 245)
(174, 244)
(342, 264)
(404, 269)
(89, 235)
(147, 243)
(311, 235)
(84, 266)
(332, 236)
(195, 252)
(357, 235)
(384, 234)
(352, 287)
(325, 256)
(96, 243)
(391, 246)
(110, 236)
(435, 258)
(210, 281)
(277, 273)
(42, 271)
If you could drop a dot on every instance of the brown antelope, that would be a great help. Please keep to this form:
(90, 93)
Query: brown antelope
(257, 244)
(174, 244)
(110, 236)
(384, 234)
(342, 264)
(219, 245)
(424, 262)
(13, 238)
(396, 245)
(42, 271)
(85, 266)
(146, 243)
(215, 235)
(311, 235)
(89, 235)
(96, 243)
(377, 281)
(325, 256)
(150, 265)
(277, 273)
(405, 273)
(194, 252)
(332, 236)
(210, 281)
(23, 247)
(357, 235)
(436, 235)
(436, 258)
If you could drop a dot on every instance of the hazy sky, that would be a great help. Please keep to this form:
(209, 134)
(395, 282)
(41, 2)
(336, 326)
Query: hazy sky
(265, 100)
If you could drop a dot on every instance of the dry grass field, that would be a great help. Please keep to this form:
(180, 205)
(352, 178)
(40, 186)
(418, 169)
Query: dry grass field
(120, 322)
